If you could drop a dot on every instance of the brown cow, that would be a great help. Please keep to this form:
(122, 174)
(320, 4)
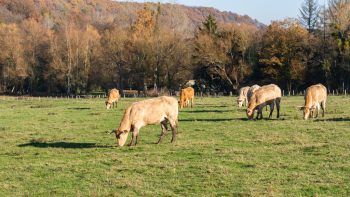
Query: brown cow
(113, 98)
(161, 110)
(315, 96)
(242, 97)
(186, 96)
(265, 95)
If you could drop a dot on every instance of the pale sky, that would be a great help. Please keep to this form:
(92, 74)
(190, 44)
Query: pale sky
(262, 10)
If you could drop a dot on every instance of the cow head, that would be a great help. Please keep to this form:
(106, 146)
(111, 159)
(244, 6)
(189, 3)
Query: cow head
(307, 111)
(121, 136)
(108, 105)
(240, 102)
(250, 113)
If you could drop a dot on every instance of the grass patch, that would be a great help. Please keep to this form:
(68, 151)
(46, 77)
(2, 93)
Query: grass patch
(61, 147)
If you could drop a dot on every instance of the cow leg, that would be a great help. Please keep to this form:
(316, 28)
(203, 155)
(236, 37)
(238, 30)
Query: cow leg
(135, 133)
(173, 130)
(259, 114)
(278, 105)
(317, 109)
(164, 126)
(272, 106)
(323, 106)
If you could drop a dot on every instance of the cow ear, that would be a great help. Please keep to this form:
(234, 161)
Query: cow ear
(125, 131)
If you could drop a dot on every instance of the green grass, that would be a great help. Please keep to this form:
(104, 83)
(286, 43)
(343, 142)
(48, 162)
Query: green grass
(62, 148)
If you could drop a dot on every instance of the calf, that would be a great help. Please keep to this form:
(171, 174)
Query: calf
(112, 98)
(315, 97)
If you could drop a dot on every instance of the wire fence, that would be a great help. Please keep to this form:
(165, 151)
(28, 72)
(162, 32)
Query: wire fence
(135, 94)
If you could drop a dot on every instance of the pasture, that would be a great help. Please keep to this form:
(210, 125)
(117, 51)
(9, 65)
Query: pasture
(61, 148)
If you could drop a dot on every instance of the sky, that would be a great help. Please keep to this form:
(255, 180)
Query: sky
(263, 10)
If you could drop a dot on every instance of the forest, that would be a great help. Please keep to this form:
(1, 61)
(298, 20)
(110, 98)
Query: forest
(83, 46)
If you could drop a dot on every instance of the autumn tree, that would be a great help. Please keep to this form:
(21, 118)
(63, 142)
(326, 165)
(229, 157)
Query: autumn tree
(339, 13)
(282, 54)
(13, 67)
(221, 53)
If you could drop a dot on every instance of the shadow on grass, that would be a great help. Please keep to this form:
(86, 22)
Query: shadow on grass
(207, 111)
(215, 106)
(207, 120)
(80, 108)
(62, 145)
(333, 119)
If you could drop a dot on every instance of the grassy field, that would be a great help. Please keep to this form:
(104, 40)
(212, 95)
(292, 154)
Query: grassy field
(62, 148)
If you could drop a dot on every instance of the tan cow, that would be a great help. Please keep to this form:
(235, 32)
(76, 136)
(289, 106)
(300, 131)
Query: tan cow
(186, 97)
(161, 110)
(113, 98)
(265, 95)
(315, 97)
(251, 90)
(242, 97)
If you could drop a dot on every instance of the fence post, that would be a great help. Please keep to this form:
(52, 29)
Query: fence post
(333, 92)
(345, 92)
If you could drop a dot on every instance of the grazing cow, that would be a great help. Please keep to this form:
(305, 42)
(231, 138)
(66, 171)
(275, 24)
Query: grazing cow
(265, 95)
(186, 96)
(315, 96)
(113, 98)
(161, 110)
(242, 98)
(251, 90)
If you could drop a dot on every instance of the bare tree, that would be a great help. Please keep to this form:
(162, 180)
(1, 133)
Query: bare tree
(309, 14)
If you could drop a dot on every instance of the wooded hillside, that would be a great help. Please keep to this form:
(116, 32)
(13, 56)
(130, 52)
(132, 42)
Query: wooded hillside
(79, 46)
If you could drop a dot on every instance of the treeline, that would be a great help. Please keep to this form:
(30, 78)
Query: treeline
(76, 47)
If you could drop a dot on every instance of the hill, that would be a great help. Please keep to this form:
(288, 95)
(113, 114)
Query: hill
(104, 13)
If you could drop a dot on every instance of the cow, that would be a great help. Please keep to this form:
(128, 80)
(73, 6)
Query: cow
(161, 110)
(186, 97)
(251, 90)
(315, 97)
(242, 97)
(265, 95)
(113, 98)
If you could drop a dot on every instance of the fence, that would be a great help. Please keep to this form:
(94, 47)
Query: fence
(135, 94)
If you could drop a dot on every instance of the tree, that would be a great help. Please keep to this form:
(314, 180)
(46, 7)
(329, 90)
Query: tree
(13, 67)
(282, 55)
(309, 14)
(210, 24)
(339, 13)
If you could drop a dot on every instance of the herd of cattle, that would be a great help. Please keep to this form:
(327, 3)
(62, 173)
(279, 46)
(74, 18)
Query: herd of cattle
(163, 110)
